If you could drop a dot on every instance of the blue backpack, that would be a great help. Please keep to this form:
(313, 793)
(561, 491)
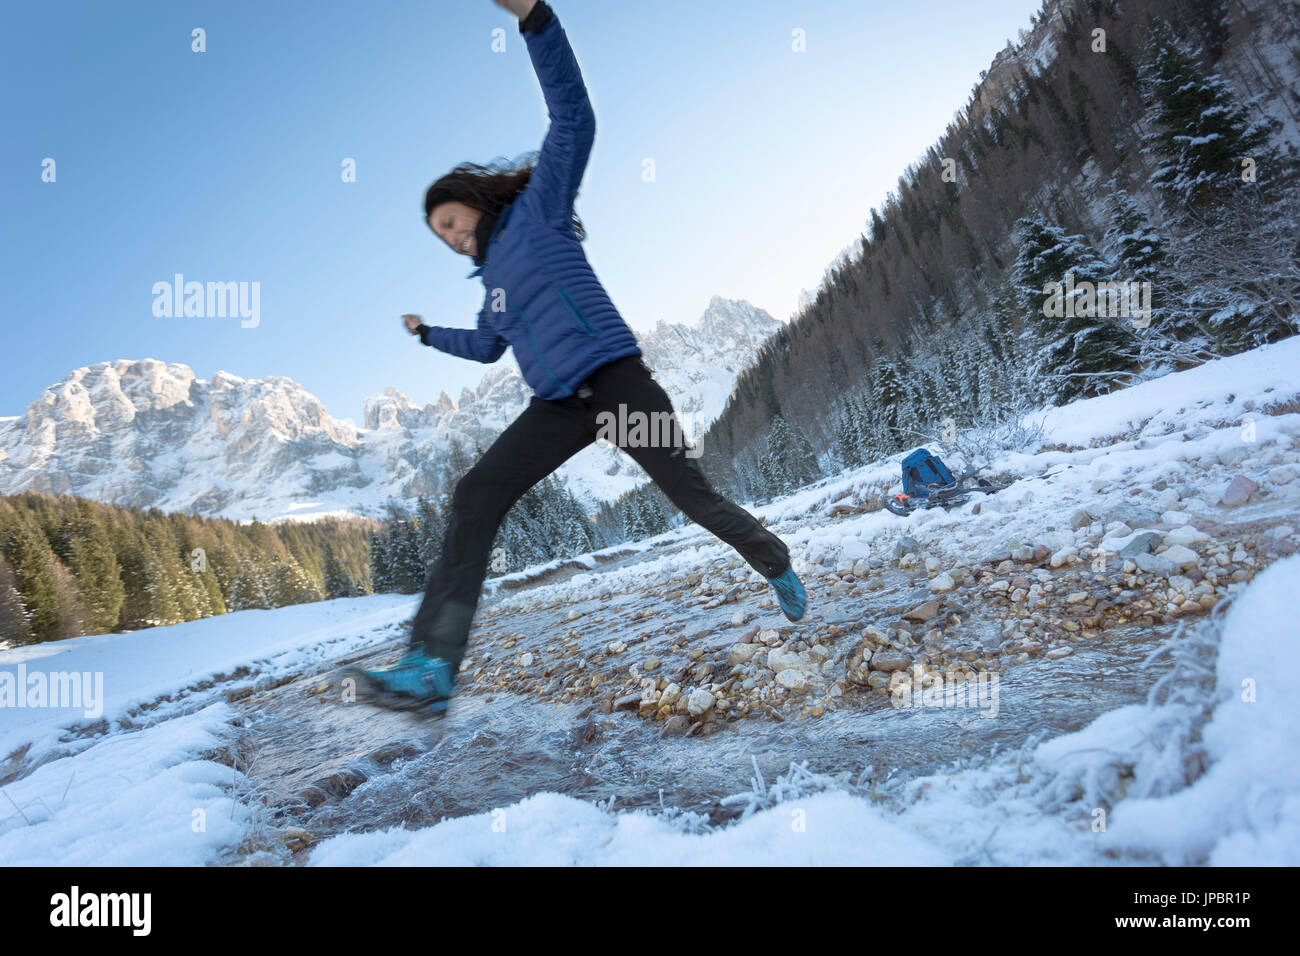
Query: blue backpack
(923, 473)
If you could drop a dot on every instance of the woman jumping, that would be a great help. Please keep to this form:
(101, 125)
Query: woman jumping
(574, 350)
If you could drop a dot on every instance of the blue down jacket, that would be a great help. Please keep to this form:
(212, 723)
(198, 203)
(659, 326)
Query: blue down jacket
(543, 299)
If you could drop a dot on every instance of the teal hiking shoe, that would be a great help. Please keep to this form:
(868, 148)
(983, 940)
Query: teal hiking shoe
(416, 682)
(790, 594)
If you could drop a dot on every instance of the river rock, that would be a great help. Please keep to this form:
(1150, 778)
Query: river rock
(1133, 515)
(906, 545)
(1282, 474)
(1154, 564)
(781, 659)
(942, 583)
(676, 724)
(1065, 556)
(923, 612)
(699, 702)
(792, 679)
(1179, 556)
(999, 554)
(1142, 543)
(1238, 492)
(857, 670)
(873, 633)
(1185, 535)
(1167, 499)
(742, 653)
(889, 659)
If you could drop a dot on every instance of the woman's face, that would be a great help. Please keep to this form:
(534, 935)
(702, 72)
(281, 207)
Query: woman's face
(455, 222)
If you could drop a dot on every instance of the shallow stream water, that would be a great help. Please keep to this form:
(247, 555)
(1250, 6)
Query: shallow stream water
(331, 767)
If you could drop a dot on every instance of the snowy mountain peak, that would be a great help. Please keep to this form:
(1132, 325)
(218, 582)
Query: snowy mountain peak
(150, 433)
(392, 409)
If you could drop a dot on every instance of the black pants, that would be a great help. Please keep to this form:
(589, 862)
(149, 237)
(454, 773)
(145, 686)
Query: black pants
(541, 439)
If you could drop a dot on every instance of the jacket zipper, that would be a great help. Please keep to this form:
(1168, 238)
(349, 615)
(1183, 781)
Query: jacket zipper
(573, 307)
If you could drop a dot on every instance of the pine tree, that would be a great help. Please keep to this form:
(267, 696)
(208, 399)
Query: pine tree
(634, 525)
(381, 581)
(290, 584)
(72, 614)
(15, 619)
(405, 566)
(214, 603)
(887, 399)
(790, 462)
(337, 582)
(523, 535)
(171, 591)
(651, 512)
(851, 431)
(1056, 276)
(32, 561)
(431, 529)
(130, 549)
(1135, 248)
(515, 548)
(567, 526)
(88, 552)
(1201, 132)
(251, 585)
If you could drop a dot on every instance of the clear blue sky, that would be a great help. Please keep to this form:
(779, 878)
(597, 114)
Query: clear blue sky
(225, 165)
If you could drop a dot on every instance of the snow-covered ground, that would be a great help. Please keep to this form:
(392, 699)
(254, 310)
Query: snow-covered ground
(1244, 811)
(119, 777)
(134, 778)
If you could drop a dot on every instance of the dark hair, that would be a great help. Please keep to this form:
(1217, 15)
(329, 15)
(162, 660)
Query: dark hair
(487, 188)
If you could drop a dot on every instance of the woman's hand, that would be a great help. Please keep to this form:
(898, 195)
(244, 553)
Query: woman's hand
(520, 8)
(413, 323)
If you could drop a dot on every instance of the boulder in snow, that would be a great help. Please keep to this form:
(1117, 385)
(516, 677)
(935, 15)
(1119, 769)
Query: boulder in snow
(1238, 492)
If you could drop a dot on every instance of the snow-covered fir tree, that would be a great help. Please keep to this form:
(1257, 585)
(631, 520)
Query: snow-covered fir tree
(1201, 133)
(789, 461)
(1079, 351)
(337, 583)
(289, 584)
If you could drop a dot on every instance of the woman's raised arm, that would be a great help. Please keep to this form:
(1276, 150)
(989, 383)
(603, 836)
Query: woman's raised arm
(567, 146)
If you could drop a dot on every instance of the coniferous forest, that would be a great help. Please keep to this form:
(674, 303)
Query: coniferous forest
(1144, 153)
(548, 522)
(70, 567)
